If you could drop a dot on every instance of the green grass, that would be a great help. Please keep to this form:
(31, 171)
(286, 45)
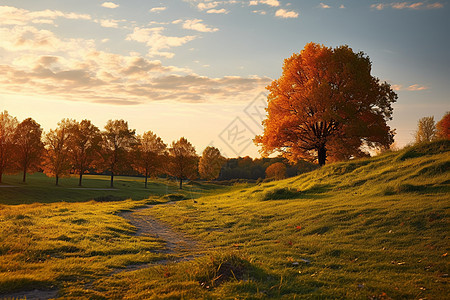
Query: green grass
(42, 189)
(364, 229)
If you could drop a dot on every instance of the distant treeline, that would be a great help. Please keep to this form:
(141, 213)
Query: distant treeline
(81, 147)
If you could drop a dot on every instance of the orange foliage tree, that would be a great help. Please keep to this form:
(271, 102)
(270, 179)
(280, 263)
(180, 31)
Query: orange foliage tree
(117, 142)
(84, 145)
(149, 154)
(210, 163)
(29, 146)
(326, 104)
(443, 127)
(57, 162)
(182, 160)
(276, 171)
(8, 125)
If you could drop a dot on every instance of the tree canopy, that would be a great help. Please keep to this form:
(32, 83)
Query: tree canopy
(117, 142)
(29, 146)
(276, 171)
(327, 105)
(57, 162)
(149, 154)
(426, 130)
(183, 160)
(443, 127)
(210, 163)
(8, 126)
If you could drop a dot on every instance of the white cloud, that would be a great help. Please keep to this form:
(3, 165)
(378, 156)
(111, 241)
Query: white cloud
(158, 9)
(196, 24)
(156, 41)
(16, 16)
(408, 5)
(110, 5)
(217, 11)
(109, 23)
(177, 21)
(323, 5)
(207, 5)
(29, 38)
(274, 3)
(261, 12)
(282, 13)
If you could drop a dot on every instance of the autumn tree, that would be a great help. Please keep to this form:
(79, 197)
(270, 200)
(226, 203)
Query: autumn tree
(8, 125)
(426, 130)
(182, 160)
(149, 155)
(84, 145)
(210, 163)
(443, 127)
(56, 141)
(326, 105)
(29, 146)
(276, 171)
(117, 142)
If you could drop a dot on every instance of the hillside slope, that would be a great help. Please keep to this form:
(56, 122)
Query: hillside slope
(374, 228)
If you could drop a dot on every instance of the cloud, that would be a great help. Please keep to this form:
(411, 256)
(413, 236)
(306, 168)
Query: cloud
(408, 5)
(158, 9)
(261, 12)
(412, 88)
(29, 38)
(156, 41)
(282, 13)
(274, 3)
(107, 78)
(109, 23)
(342, 6)
(323, 5)
(110, 5)
(16, 16)
(207, 5)
(196, 24)
(417, 87)
(217, 11)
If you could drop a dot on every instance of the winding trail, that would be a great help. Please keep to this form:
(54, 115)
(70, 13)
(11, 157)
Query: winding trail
(179, 245)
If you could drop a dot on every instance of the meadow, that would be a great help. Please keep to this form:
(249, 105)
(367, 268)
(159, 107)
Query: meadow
(364, 229)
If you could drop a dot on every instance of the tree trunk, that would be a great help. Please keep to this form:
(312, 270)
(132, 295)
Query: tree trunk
(181, 183)
(81, 175)
(57, 179)
(146, 176)
(322, 155)
(24, 174)
(112, 179)
(1, 175)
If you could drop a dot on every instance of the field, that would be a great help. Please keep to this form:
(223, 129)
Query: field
(364, 229)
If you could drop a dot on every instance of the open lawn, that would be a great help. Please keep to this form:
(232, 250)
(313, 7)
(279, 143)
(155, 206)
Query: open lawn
(42, 189)
(366, 229)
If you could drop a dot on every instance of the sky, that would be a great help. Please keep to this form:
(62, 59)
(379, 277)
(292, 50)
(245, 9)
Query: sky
(199, 68)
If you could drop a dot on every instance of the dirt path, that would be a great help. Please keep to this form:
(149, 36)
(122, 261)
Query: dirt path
(177, 243)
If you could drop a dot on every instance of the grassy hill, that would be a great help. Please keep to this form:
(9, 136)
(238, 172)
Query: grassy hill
(367, 229)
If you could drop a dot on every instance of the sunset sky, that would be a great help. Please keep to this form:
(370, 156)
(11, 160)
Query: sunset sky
(197, 68)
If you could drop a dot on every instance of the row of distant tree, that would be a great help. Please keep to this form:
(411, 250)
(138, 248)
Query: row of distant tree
(80, 147)
(428, 130)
